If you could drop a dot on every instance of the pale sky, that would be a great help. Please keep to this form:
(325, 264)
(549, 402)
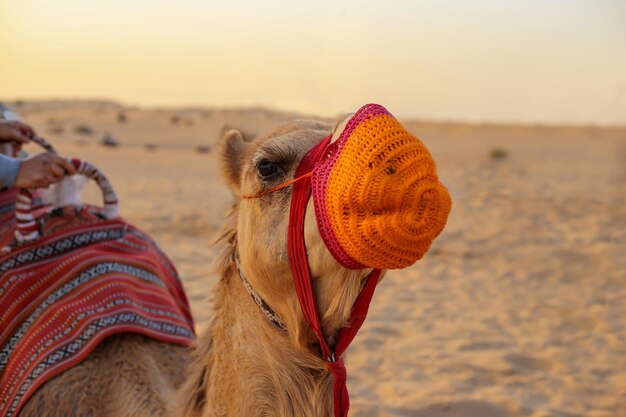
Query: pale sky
(544, 61)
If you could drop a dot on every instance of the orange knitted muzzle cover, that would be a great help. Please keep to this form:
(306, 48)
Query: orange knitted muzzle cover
(378, 200)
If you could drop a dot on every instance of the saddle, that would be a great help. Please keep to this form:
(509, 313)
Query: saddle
(71, 276)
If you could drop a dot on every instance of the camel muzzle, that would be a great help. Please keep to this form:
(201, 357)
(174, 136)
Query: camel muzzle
(378, 200)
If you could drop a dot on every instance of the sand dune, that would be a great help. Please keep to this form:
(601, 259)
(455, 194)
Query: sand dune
(519, 309)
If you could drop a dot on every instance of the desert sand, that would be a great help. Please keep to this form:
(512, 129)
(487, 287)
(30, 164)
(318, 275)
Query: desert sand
(519, 308)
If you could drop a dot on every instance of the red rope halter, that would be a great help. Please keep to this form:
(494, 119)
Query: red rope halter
(302, 280)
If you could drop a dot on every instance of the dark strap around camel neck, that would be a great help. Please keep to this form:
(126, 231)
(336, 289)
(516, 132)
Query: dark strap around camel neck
(258, 300)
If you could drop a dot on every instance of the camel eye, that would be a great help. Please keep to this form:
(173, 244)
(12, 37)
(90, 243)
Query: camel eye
(268, 169)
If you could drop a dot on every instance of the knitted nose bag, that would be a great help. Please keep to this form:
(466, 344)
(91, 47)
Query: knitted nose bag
(378, 204)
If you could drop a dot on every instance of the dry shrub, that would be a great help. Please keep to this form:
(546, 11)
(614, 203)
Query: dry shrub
(498, 153)
(109, 141)
(203, 149)
(84, 130)
(56, 130)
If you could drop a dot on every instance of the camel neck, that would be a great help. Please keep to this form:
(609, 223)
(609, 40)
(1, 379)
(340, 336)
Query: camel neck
(244, 366)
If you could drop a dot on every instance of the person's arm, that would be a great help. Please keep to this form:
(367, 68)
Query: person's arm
(9, 167)
(17, 132)
(37, 171)
(41, 170)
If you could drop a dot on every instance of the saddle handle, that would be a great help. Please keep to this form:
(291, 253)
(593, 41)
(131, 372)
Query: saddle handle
(6, 148)
(27, 229)
(44, 144)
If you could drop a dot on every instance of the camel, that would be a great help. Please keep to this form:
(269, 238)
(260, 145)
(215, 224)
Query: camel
(244, 364)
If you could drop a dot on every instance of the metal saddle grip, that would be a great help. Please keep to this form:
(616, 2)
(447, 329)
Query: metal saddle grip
(27, 229)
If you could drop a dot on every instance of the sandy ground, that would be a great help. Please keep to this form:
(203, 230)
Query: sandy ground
(519, 309)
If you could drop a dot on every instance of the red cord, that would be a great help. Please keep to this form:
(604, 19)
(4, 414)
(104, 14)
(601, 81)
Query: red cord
(302, 279)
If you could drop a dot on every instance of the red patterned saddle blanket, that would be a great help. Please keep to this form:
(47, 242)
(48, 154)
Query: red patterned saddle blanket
(85, 279)
(7, 216)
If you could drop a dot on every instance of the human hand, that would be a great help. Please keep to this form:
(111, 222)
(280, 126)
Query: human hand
(15, 132)
(41, 170)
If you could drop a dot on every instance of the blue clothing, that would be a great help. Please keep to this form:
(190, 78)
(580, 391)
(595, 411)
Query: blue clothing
(8, 171)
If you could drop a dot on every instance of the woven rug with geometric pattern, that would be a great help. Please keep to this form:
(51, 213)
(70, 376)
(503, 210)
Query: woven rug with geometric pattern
(85, 279)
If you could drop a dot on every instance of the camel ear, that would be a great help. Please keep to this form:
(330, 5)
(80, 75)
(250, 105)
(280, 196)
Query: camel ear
(230, 152)
(340, 125)
(247, 135)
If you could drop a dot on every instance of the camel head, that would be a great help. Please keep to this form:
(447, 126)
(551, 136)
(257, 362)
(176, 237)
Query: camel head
(376, 203)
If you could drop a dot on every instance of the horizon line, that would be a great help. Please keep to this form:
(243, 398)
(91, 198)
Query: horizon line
(18, 101)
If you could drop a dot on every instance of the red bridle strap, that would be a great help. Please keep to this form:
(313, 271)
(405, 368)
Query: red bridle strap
(302, 279)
